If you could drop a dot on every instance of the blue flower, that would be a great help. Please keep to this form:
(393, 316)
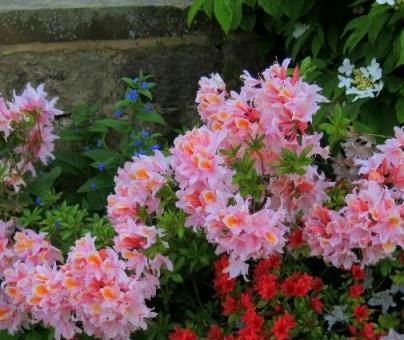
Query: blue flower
(137, 142)
(148, 106)
(101, 166)
(155, 147)
(38, 200)
(145, 85)
(145, 133)
(118, 114)
(99, 143)
(57, 224)
(132, 95)
(141, 152)
(93, 185)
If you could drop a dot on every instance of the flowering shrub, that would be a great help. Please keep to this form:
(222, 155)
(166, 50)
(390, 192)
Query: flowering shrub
(249, 202)
(357, 56)
(26, 124)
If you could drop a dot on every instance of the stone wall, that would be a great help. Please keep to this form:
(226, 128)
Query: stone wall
(81, 48)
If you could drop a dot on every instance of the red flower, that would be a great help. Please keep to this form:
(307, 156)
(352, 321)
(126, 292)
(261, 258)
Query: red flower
(367, 331)
(182, 334)
(353, 329)
(266, 286)
(246, 300)
(250, 334)
(316, 304)
(229, 305)
(282, 326)
(215, 333)
(297, 285)
(361, 313)
(222, 281)
(317, 284)
(252, 320)
(303, 285)
(296, 238)
(356, 290)
(262, 267)
(357, 272)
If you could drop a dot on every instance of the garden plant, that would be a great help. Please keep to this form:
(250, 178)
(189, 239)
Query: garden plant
(280, 216)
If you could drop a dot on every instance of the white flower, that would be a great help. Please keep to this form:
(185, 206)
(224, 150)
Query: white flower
(374, 70)
(346, 67)
(344, 82)
(336, 315)
(300, 29)
(393, 335)
(378, 87)
(383, 299)
(388, 2)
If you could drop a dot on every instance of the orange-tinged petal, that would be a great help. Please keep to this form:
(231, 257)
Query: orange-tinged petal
(69, 283)
(11, 291)
(94, 258)
(40, 290)
(231, 221)
(107, 293)
(271, 238)
(4, 313)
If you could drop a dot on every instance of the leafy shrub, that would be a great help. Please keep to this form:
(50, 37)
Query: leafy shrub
(328, 34)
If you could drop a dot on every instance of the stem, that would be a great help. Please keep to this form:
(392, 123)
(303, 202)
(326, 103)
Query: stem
(196, 292)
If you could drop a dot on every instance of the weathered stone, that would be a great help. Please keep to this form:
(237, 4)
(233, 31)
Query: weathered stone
(81, 48)
(89, 71)
(69, 20)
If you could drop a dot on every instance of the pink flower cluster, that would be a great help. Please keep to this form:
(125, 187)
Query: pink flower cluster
(136, 186)
(368, 229)
(106, 294)
(29, 118)
(276, 109)
(387, 166)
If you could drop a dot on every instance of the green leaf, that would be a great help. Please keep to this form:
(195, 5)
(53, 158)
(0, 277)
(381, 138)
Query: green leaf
(401, 56)
(195, 7)
(376, 25)
(223, 13)
(237, 14)
(248, 22)
(177, 278)
(317, 42)
(112, 123)
(400, 110)
(68, 134)
(272, 7)
(100, 155)
(292, 8)
(152, 117)
(96, 183)
(130, 82)
(44, 182)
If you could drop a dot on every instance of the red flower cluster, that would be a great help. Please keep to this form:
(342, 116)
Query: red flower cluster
(295, 238)
(357, 272)
(316, 304)
(297, 284)
(183, 334)
(222, 281)
(361, 313)
(266, 286)
(283, 325)
(356, 290)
